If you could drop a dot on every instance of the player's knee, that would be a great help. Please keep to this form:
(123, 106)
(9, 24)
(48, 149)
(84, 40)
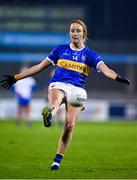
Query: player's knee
(69, 127)
(67, 132)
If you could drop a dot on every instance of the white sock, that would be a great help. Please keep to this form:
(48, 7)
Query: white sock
(55, 164)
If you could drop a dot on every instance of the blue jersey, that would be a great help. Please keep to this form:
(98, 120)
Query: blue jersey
(73, 66)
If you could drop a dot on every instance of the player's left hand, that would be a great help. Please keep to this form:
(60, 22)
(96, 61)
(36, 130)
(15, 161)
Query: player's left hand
(8, 81)
(127, 81)
(122, 79)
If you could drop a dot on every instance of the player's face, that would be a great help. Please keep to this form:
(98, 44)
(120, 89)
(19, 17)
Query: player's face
(76, 33)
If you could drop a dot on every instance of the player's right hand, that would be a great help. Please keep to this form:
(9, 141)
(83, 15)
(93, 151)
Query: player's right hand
(8, 81)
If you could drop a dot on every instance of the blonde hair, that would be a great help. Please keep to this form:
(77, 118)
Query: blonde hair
(84, 27)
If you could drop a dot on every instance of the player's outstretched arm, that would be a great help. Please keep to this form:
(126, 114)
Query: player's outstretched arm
(9, 80)
(112, 74)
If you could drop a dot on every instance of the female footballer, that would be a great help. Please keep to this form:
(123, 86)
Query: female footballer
(72, 65)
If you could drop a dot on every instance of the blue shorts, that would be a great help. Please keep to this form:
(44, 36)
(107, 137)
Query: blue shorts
(23, 101)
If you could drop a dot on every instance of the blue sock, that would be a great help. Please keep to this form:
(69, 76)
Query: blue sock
(57, 160)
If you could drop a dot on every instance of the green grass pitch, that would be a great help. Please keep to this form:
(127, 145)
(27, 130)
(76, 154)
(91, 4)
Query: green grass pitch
(98, 151)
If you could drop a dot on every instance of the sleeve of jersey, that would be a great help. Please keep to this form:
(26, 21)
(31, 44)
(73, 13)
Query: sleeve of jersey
(95, 60)
(34, 85)
(53, 56)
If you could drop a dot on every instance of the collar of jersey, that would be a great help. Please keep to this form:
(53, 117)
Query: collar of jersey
(76, 49)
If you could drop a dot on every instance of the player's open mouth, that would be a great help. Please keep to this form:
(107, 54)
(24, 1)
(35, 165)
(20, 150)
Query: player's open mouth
(75, 38)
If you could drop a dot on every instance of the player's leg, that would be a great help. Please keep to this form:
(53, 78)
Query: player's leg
(70, 120)
(55, 97)
(27, 110)
(19, 115)
(61, 115)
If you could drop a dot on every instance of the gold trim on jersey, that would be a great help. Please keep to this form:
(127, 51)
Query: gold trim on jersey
(75, 66)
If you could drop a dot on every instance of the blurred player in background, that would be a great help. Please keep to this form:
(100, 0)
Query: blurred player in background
(72, 64)
(23, 93)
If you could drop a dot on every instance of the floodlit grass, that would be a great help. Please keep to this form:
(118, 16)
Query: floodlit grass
(98, 150)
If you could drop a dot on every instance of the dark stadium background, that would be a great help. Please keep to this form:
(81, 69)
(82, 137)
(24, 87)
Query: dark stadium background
(112, 32)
